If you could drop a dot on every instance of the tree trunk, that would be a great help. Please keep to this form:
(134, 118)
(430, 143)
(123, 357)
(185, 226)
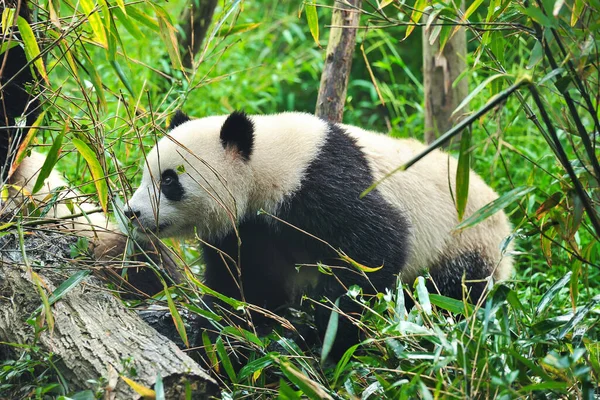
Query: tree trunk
(440, 70)
(93, 332)
(196, 18)
(338, 63)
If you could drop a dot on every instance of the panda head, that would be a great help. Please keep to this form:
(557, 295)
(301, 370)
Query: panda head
(197, 179)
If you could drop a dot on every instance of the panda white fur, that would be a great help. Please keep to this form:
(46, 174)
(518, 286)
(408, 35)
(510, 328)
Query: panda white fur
(105, 238)
(211, 177)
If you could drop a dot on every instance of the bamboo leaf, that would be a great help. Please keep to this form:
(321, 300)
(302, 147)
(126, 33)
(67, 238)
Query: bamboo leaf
(491, 208)
(330, 332)
(7, 45)
(257, 365)
(310, 388)
(167, 33)
(578, 7)
(358, 265)
(579, 316)
(142, 390)
(423, 295)
(312, 17)
(8, 18)
(30, 45)
(239, 28)
(449, 304)
(96, 170)
(463, 172)
(476, 91)
(50, 161)
(472, 8)
(179, 325)
(551, 293)
(416, 15)
(225, 360)
(95, 22)
(22, 152)
(210, 351)
(45, 303)
(384, 3)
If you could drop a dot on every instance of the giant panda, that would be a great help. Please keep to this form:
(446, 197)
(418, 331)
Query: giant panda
(280, 194)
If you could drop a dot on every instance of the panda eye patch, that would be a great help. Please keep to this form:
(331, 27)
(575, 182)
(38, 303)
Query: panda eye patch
(170, 186)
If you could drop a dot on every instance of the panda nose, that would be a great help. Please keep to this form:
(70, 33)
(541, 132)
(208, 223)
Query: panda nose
(130, 214)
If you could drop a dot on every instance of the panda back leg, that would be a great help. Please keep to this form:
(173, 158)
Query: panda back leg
(448, 274)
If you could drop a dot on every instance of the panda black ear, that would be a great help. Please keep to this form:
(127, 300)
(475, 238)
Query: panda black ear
(238, 132)
(179, 118)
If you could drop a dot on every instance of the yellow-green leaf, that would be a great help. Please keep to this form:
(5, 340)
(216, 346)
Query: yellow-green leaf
(142, 390)
(95, 21)
(179, 325)
(45, 303)
(384, 3)
(495, 206)
(462, 173)
(358, 265)
(167, 33)
(93, 164)
(239, 28)
(8, 17)
(416, 15)
(313, 20)
(30, 45)
(22, 152)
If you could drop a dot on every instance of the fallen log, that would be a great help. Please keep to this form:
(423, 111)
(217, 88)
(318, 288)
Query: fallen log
(94, 335)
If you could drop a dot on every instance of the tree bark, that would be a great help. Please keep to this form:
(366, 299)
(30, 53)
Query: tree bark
(196, 18)
(440, 70)
(338, 63)
(93, 332)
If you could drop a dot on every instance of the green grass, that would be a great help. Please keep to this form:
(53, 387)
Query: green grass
(534, 336)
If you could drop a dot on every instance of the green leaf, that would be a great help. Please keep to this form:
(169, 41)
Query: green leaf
(341, 365)
(95, 21)
(309, 387)
(125, 20)
(239, 28)
(476, 91)
(30, 45)
(7, 45)
(242, 334)
(142, 18)
(93, 164)
(463, 172)
(179, 325)
(579, 316)
(122, 77)
(453, 305)
(537, 53)
(225, 361)
(491, 208)
(330, 332)
(551, 293)
(167, 33)
(95, 78)
(210, 351)
(313, 20)
(256, 365)
(50, 161)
